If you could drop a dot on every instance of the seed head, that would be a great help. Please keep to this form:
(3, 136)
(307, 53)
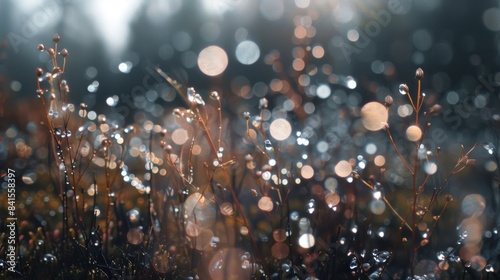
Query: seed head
(39, 72)
(41, 47)
(263, 103)
(246, 115)
(163, 132)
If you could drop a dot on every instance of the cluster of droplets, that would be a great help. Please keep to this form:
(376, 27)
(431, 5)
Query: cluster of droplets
(371, 266)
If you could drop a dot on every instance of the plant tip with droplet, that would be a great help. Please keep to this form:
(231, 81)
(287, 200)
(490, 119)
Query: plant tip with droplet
(263, 103)
(403, 89)
(419, 74)
(388, 101)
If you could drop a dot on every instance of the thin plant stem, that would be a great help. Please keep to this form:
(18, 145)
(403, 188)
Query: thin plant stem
(398, 152)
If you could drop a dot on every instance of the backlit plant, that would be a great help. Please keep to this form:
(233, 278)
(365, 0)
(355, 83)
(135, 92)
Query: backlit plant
(274, 193)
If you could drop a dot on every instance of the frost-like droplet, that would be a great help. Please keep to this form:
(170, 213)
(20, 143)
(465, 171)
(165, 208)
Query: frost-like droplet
(354, 264)
(268, 145)
(403, 89)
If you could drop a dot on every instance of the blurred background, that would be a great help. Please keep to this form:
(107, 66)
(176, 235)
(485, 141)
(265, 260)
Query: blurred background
(364, 48)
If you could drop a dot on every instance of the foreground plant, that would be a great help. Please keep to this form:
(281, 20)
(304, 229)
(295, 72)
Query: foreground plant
(421, 164)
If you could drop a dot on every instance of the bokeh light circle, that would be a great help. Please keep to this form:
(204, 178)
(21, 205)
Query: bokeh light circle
(473, 204)
(377, 207)
(212, 61)
(280, 250)
(307, 172)
(332, 199)
(180, 136)
(135, 236)
(491, 19)
(247, 52)
(266, 204)
(199, 210)
(374, 116)
(343, 168)
(307, 240)
(280, 129)
(413, 133)
(279, 235)
(204, 240)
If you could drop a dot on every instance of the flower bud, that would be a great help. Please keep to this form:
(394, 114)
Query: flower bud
(56, 38)
(246, 115)
(388, 101)
(403, 89)
(435, 110)
(64, 52)
(263, 103)
(419, 74)
(163, 132)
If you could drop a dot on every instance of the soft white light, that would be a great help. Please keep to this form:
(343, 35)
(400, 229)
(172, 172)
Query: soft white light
(247, 52)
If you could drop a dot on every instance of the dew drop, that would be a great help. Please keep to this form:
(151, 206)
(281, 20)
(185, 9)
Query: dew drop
(214, 95)
(311, 206)
(268, 145)
(382, 257)
(354, 264)
(49, 260)
(366, 266)
(490, 148)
